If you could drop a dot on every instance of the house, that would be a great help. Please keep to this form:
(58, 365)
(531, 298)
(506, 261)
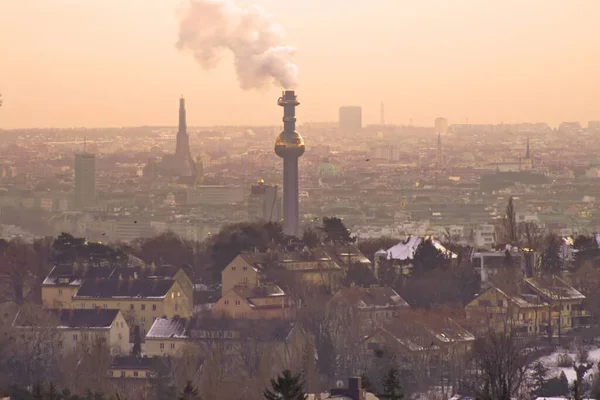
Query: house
(260, 302)
(63, 281)
(567, 310)
(498, 309)
(167, 336)
(424, 343)
(313, 267)
(80, 329)
(280, 342)
(376, 304)
(131, 367)
(245, 269)
(140, 300)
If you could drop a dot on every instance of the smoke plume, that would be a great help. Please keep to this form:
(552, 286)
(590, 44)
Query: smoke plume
(210, 26)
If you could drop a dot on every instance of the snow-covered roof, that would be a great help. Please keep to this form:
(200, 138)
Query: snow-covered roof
(406, 250)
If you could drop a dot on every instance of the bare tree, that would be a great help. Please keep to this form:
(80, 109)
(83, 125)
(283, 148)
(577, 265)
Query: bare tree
(510, 223)
(532, 238)
(502, 362)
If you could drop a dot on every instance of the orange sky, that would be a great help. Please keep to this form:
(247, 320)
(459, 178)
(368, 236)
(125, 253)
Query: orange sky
(97, 63)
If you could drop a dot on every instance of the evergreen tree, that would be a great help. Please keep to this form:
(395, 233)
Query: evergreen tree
(286, 387)
(538, 377)
(137, 341)
(392, 390)
(427, 258)
(335, 232)
(310, 238)
(189, 392)
(161, 381)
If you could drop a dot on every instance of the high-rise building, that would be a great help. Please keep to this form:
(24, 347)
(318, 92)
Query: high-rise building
(264, 202)
(290, 146)
(350, 119)
(441, 126)
(85, 180)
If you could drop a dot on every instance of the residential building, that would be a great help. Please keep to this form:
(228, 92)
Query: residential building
(503, 310)
(140, 300)
(565, 301)
(280, 342)
(81, 329)
(376, 304)
(63, 282)
(260, 302)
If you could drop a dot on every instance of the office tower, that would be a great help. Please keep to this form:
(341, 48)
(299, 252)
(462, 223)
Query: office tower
(290, 146)
(85, 180)
(441, 126)
(439, 154)
(264, 202)
(350, 119)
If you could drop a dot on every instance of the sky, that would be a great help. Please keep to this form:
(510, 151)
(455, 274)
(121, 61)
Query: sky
(100, 63)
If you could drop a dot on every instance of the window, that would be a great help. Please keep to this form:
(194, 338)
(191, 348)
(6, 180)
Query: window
(485, 303)
(233, 268)
(105, 305)
(245, 268)
(162, 346)
(93, 306)
(135, 373)
(143, 318)
(131, 307)
(172, 345)
(245, 279)
(237, 302)
(226, 302)
(122, 374)
(60, 292)
(153, 307)
(85, 336)
(143, 307)
(82, 305)
(75, 337)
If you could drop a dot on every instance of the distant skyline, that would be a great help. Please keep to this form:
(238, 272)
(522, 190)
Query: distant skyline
(99, 63)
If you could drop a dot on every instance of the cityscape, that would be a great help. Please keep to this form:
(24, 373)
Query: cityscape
(347, 258)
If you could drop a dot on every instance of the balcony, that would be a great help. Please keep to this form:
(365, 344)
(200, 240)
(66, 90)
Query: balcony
(580, 313)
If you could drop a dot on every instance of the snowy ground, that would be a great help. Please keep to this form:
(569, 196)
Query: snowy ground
(551, 362)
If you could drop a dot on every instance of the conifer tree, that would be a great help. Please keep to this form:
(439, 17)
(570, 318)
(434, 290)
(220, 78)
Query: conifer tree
(189, 392)
(286, 387)
(392, 390)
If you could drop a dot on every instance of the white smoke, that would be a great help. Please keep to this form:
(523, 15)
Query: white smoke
(210, 26)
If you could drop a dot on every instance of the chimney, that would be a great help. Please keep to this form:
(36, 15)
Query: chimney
(355, 390)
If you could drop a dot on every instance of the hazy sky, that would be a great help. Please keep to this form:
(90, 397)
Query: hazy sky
(114, 62)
